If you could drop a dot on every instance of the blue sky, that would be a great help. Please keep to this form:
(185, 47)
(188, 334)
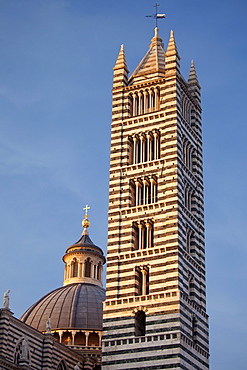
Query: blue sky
(55, 112)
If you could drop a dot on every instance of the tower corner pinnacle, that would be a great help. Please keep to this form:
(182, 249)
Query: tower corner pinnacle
(172, 47)
(121, 71)
(193, 83)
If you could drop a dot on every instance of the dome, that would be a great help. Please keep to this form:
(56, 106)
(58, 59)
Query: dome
(74, 306)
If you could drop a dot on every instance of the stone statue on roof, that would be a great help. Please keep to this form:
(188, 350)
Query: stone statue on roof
(48, 326)
(6, 300)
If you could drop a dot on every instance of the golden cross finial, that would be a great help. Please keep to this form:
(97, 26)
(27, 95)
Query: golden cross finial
(86, 209)
(85, 223)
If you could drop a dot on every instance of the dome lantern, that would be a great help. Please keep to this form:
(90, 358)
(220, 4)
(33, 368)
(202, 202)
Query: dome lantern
(83, 260)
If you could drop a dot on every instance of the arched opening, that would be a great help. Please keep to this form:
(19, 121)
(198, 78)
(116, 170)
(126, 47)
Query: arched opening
(157, 98)
(66, 338)
(99, 270)
(140, 324)
(133, 200)
(135, 104)
(130, 105)
(138, 281)
(131, 150)
(80, 339)
(146, 101)
(56, 337)
(93, 339)
(135, 236)
(145, 241)
(88, 267)
(152, 100)
(147, 280)
(141, 103)
(74, 266)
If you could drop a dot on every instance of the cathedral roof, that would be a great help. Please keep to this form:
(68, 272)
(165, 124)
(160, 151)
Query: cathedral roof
(74, 306)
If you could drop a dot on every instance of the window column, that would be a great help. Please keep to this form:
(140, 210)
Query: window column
(141, 232)
(156, 145)
(145, 101)
(135, 155)
(149, 234)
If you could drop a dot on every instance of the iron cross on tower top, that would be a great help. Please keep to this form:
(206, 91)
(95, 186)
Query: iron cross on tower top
(156, 16)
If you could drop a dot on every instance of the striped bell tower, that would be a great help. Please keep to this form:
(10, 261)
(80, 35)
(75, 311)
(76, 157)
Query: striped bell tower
(155, 309)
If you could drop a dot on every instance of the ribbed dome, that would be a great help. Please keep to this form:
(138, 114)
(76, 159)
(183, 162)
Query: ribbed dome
(75, 306)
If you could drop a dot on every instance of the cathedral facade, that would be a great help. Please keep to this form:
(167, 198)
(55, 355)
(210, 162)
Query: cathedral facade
(154, 314)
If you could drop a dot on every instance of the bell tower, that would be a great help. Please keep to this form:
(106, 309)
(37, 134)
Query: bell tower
(155, 309)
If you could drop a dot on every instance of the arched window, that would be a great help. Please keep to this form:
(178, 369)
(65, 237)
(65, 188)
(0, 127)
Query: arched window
(136, 149)
(99, 270)
(74, 266)
(157, 98)
(189, 156)
(140, 324)
(131, 105)
(142, 280)
(143, 191)
(143, 234)
(88, 267)
(151, 101)
(133, 200)
(139, 282)
(93, 339)
(144, 147)
(156, 146)
(135, 236)
(141, 103)
(131, 150)
(56, 337)
(146, 101)
(67, 338)
(188, 194)
(135, 104)
(80, 339)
